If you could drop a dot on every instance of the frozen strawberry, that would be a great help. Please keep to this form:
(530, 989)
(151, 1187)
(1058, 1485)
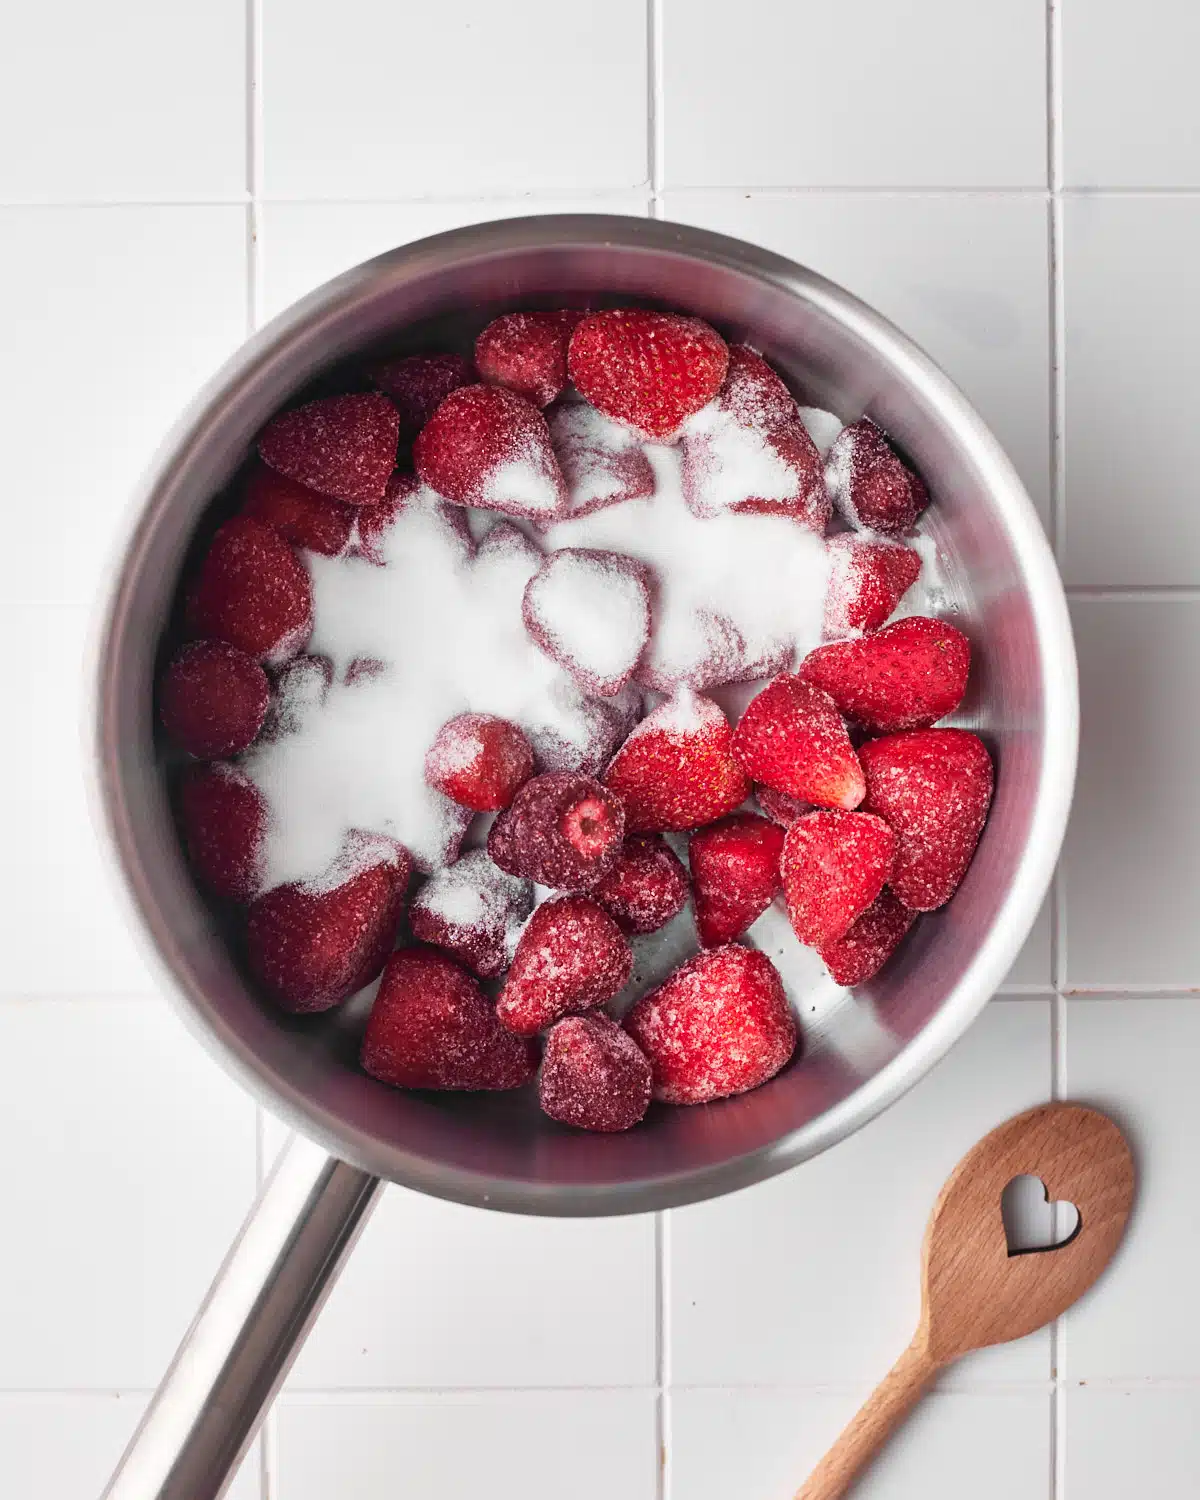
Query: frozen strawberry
(934, 786)
(432, 1028)
(870, 942)
(792, 737)
(407, 502)
(212, 699)
(571, 956)
(479, 761)
(252, 592)
(646, 887)
(562, 829)
(341, 446)
(489, 447)
(719, 1025)
(312, 945)
(590, 612)
(224, 820)
(300, 690)
(419, 383)
(834, 865)
(593, 1075)
(779, 807)
(298, 514)
(602, 462)
(905, 676)
(867, 577)
(871, 484)
(527, 353)
(474, 910)
(650, 370)
(735, 875)
(676, 770)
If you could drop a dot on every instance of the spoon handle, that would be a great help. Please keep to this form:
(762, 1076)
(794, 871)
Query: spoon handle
(882, 1412)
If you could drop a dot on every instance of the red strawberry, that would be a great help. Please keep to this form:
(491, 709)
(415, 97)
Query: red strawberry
(419, 383)
(213, 699)
(593, 1075)
(834, 865)
(311, 945)
(473, 910)
(253, 592)
(870, 484)
(870, 942)
(432, 1028)
(479, 761)
(602, 462)
(905, 676)
(527, 352)
(779, 807)
(489, 447)
(590, 612)
(223, 818)
(572, 956)
(719, 1025)
(298, 514)
(646, 887)
(866, 580)
(735, 875)
(934, 786)
(676, 769)
(650, 370)
(341, 446)
(562, 829)
(791, 737)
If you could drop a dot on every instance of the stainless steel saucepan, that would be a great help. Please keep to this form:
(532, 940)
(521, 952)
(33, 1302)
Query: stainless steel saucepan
(863, 1050)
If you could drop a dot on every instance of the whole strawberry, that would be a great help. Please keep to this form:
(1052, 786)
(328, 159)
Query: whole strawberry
(418, 384)
(870, 483)
(474, 911)
(224, 821)
(905, 676)
(791, 737)
(646, 887)
(212, 699)
(479, 761)
(735, 875)
(252, 592)
(527, 353)
(571, 956)
(593, 1075)
(834, 865)
(868, 944)
(298, 514)
(867, 578)
(340, 446)
(562, 829)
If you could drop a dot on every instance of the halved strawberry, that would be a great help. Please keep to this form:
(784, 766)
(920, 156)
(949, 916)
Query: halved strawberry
(905, 676)
(224, 819)
(934, 786)
(870, 484)
(212, 699)
(562, 829)
(650, 370)
(866, 580)
(590, 611)
(527, 353)
(646, 887)
(479, 761)
(735, 875)
(834, 865)
(870, 942)
(298, 514)
(792, 738)
(593, 1075)
(341, 446)
(253, 592)
(571, 956)
(418, 384)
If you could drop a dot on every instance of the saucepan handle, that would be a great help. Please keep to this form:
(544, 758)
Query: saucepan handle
(252, 1323)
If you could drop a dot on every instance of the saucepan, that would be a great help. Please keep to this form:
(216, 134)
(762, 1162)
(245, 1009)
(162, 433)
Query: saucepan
(863, 1048)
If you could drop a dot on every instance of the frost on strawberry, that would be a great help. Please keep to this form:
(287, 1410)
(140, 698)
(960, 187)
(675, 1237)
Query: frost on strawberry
(571, 956)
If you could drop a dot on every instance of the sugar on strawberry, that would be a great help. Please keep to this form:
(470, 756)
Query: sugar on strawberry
(593, 1075)
(860, 953)
(734, 865)
(867, 578)
(223, 819)
(479, 761)
(870, 484)
(791, 737)
(417, 384)
(589, 611)
(905, 676)
(603, 463)
(571, 956)
(340, 446)
(212, 699)
(474, 910)
(527, 353)
(647, 887)
(834, 864)
(562, 829)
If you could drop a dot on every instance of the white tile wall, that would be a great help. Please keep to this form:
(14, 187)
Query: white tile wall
(1014, 181)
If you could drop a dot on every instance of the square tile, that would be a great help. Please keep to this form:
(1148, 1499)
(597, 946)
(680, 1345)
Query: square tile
(813, 1277)
(964, 275)
(1132, 855)
(113, 318)
(591, 1445)
(1132, 388)
(870, 95)
(452, 99)
(760, 1445)
(1148, 135)
(1033, 968)
(135, 1170)
(1120, 1443)
(132, 100)
(1136, 1058)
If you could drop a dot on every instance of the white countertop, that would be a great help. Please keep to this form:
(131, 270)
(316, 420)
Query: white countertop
(1021, 192)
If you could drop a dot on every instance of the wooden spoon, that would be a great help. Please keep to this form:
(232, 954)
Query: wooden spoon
(973, 1291)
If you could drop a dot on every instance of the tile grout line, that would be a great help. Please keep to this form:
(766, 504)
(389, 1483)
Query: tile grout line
(662, 1352)
(654, 115)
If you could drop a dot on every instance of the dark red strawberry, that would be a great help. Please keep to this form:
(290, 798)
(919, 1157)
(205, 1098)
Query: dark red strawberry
(212, 699)
(735, 875)
(646, 887)
(562, 829)
(866, 580)
(934, 786)
(341, 446)
(473, 910)
(676, 770)
(602, 462)
(571, 956)
(252, 592)
(593, 1075)
(870, 484)
(489, 447)
(432, 1028)
(905, 676)
(224, 819)
(298, 514)
(779, 807)
(419, 383)
(650, 370)
(870, 942)
(527, 353)
(834, 865)
(590, 611)
(719, 1025)
(792, 737)
(300, 690)
(479, 761)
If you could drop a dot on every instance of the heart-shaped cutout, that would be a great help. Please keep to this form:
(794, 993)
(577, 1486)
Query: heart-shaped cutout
(1031, 1222)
